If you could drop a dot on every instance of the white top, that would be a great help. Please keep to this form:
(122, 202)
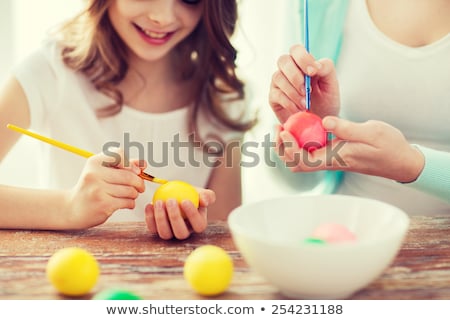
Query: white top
(406, 87)
(62, 105)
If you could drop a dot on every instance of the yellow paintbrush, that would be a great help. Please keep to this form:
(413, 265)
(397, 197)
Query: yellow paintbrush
(75, 150)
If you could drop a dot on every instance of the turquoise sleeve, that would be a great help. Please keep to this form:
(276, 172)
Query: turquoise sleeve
(435, 176)
(316, 182)
(326, 22)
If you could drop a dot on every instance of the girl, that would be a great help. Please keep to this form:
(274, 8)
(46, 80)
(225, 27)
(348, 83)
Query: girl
(155, 78)
(393, 63)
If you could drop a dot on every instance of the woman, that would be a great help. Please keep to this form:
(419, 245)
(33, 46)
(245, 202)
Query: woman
(393, 65)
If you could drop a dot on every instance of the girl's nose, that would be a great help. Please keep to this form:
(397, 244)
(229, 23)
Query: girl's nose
(162, 12)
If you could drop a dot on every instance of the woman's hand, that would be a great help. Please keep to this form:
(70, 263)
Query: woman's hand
(287, 90)
(165, 219)
(104, 187)
(373, 148)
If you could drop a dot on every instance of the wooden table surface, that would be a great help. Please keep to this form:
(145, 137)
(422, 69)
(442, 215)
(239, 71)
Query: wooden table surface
(132, 259)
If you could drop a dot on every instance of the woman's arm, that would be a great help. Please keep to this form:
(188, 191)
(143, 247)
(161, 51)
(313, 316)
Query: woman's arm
(287, 88)
(372, 147)
(435, 176)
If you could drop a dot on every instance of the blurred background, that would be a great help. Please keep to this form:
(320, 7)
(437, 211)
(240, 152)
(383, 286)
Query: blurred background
(266, 29)
(23, 25)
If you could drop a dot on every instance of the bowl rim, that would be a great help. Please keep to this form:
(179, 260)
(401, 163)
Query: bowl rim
(237, 229)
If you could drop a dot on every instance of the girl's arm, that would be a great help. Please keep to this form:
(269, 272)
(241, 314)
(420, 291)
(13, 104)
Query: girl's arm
(99, 192)
(13, 109)
(20, 207)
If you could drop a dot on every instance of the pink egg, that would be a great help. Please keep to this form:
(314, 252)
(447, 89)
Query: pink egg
(333, 233)
(307, 129)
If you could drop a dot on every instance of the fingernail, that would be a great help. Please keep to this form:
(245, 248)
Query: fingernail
(283, 136)
(310, 70)
(141, 163)
(318, 65)
(171, 203)
(158, 204)
(136, 169)
(204, 200)
(329, 123)
(302, 90)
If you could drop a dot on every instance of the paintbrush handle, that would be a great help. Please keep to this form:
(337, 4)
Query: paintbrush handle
(306, 36)
(73, 149)
(53, 142)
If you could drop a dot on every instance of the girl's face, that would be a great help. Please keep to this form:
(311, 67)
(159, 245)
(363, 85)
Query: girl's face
(152, 28)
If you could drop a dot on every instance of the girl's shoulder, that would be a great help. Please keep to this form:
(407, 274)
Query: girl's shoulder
(45, 62)
(47, 81)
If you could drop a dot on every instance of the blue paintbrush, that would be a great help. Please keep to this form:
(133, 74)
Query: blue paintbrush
(307, 78)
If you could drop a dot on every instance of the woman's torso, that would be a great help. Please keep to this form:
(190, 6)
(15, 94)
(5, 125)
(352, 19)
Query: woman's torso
(407, 87)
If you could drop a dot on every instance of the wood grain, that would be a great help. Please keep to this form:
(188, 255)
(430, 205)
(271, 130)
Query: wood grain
(132, 259)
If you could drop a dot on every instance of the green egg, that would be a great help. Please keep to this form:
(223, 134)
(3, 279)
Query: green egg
(116, 294)
(314, 241)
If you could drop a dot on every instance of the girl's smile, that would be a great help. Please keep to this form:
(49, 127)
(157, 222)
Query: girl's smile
(151, 29)
(154, 37)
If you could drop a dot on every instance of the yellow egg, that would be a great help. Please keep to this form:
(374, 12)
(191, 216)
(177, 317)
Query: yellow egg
(178, 190)
(73, 271)
(209, 270)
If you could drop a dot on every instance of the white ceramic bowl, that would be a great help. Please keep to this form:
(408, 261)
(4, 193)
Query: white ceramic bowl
(270, 235)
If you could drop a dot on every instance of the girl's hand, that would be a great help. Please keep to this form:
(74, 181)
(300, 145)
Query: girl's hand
(165, 220)
(373, 148)
(287, 89)
(104, 187)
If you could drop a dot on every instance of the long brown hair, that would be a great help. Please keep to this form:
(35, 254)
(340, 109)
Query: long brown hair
(92, 46)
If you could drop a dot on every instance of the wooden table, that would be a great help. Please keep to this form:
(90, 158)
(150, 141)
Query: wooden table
(130, 258)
